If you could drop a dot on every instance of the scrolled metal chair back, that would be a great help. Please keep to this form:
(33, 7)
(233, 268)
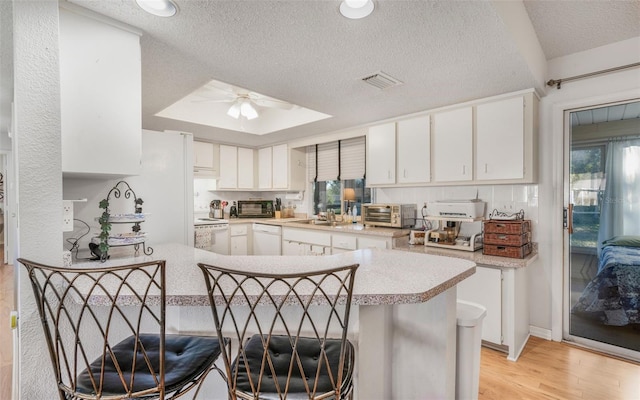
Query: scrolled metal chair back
(288, 331)
(85, 313)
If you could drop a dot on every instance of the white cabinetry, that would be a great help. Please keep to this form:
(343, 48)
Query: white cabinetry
(381, 154)
(414, 150)
(236, 168)
(505, 146)
(300, 242)
(239, 239)
(205, 157)
(343, 243)
(503, 291)
(100, 97)
(369, 242)
(265, 167)
(453, 145)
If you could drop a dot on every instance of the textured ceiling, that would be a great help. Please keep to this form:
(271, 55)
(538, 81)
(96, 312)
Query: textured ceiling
(306, 53)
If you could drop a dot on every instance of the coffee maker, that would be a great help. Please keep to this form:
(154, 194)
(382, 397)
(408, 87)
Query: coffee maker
(215, 211)
(233, 211)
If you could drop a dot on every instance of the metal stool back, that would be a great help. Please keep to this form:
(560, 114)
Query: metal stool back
(288, 331)
(105, 331)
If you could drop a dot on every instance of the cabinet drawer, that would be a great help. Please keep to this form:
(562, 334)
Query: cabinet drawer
(238, 230)
(344, 242)
(503, 239)
(510, 227)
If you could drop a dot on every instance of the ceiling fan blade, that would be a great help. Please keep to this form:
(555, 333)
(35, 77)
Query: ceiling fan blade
(217, 99)
(272, 103)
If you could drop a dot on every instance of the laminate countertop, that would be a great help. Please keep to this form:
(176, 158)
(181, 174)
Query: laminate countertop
(384, 276)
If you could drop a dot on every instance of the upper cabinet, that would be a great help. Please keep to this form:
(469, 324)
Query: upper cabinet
(414, 150)
(100, 97)
(505, 143)
(236, 168)
(381, 154)
(245, 168)
(280, 167)
(206, 158)
(490, 141)
(453, 145)
(399, 153)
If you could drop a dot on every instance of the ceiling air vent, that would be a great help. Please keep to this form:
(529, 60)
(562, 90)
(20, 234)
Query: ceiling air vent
(381, 80)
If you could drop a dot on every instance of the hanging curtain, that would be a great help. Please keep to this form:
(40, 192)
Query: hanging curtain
(620, 213)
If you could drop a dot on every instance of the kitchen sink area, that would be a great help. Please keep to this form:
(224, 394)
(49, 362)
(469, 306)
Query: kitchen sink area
(336, 224)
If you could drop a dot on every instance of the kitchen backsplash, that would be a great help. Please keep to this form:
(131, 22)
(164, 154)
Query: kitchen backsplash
(202, 196)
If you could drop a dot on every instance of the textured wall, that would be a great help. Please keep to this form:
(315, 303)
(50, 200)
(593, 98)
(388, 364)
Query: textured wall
(39, 176)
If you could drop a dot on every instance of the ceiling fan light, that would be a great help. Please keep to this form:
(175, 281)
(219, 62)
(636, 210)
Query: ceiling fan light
(234, 111)
(160, 8)
(247, 110)
(356, 9)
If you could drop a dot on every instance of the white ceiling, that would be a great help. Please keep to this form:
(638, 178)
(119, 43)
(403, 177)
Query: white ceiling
(306, 53)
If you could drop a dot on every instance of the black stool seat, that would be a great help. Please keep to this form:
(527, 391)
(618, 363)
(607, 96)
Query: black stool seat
(186, 358)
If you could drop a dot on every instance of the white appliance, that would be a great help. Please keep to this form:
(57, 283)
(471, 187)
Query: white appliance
(267, 240)
(213, 235)
(473, 208)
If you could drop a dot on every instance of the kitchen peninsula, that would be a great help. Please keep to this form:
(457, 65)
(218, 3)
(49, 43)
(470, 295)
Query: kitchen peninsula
(404, 325)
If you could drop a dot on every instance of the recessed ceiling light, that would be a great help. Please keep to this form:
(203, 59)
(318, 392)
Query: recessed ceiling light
(160, 8)
(356, 9)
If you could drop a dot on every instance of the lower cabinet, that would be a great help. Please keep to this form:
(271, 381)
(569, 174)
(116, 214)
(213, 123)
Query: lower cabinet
(368, 242)
(239, 240)
(305, 242)
(503, 292)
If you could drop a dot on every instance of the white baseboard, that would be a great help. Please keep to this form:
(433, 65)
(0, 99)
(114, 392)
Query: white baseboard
(540, 332)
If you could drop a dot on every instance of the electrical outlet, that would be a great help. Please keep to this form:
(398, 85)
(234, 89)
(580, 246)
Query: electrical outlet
(67, 215)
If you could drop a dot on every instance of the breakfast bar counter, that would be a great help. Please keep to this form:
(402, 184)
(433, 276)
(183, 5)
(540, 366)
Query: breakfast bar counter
(405, 322)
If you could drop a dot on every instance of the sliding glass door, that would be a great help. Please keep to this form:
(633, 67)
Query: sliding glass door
(603, 285)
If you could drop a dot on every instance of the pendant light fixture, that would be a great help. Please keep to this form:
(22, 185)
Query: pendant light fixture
(356, 9)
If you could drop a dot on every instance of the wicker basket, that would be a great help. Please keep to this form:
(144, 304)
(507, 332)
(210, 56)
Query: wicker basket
(503, 239)
(507, 251)
(508, 227)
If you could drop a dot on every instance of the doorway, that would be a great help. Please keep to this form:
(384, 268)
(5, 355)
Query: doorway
(603, 191)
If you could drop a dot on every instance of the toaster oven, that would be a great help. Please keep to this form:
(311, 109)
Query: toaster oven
(389, 215)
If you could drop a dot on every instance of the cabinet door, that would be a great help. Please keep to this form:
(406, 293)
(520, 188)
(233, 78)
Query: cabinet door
(292, 248)
(245, 168)
(265, 180)
(414, 150)
(371, 243)
(453, 145)
(381, 154)
(280, 167)
(239, 245)
(203, 155)
(100, 97)
(485, 288)
(228, 167)
(500, 140)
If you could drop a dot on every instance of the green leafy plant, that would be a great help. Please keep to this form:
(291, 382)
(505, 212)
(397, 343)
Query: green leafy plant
(105, 227)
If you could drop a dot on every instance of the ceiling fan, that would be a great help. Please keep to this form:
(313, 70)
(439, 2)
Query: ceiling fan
(242, 100)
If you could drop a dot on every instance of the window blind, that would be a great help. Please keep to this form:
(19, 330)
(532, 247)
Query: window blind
(352, 160)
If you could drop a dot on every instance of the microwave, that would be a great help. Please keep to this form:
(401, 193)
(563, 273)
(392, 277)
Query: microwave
(255, 209)
(389, 215)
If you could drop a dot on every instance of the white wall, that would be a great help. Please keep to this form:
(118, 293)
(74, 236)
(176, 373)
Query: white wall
(37, 150)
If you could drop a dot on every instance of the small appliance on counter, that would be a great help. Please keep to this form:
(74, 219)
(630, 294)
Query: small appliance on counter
(459, 224)
(389, 215)
(233, 212)
(255, 209)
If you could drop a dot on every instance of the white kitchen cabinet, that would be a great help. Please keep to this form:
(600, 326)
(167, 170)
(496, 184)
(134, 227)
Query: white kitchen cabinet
(236, 168)
(381, 154)
(280, 167)
(504, 293)
(265, 168)
(414, 150)
(505, 149)
(100, 97)
(343, 243)
(452, 152)
(239, 239)
(206, 160)
(245, 168)
(305, 242)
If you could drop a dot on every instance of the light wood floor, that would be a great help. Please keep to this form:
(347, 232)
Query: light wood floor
(545, 370)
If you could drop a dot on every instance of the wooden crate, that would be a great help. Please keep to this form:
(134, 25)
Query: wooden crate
(508, 227)
(503, 239)
(507, 251)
